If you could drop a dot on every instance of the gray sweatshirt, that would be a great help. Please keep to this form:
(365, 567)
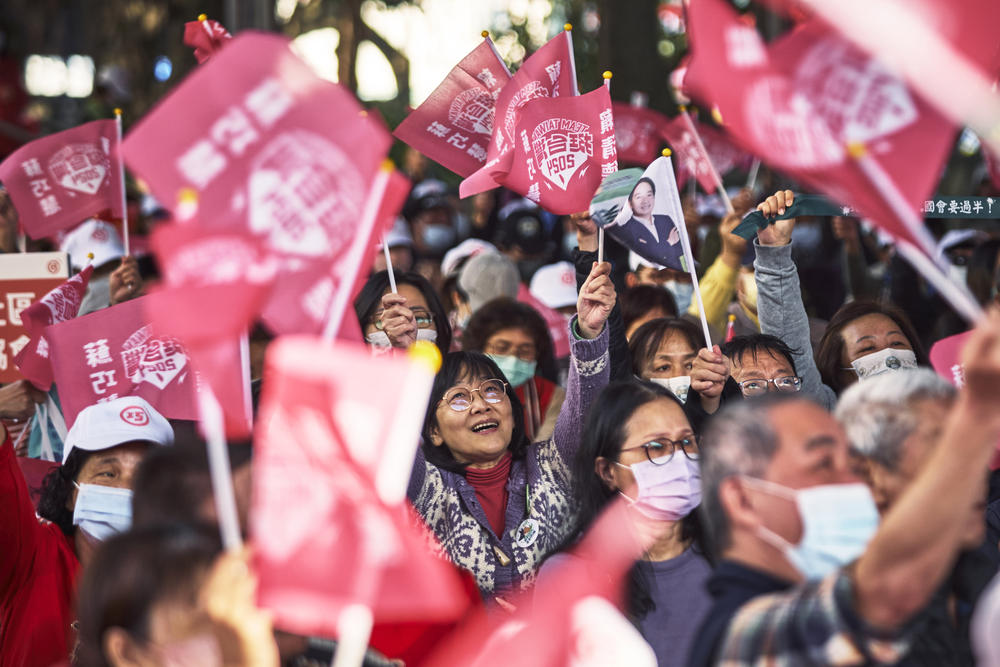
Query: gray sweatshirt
(782, 314)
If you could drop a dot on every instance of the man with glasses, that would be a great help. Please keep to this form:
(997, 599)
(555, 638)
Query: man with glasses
(745, 367)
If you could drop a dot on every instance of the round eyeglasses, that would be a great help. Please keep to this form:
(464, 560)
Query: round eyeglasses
(459, 399)
(758, 386)
(661, 450)
(423, 318)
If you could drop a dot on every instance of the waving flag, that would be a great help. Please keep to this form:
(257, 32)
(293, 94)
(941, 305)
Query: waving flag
(799, 101)
(565, 146)
(58, 181)
(332, 455)
(638, 132)
(549, 72)
(692, 158)
(454, 125)
(205, 36)
(59, 305)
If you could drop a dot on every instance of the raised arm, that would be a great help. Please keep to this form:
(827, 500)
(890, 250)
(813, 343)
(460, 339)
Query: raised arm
(918, 541)
(779, 296)
(589, 368)
(19, 528)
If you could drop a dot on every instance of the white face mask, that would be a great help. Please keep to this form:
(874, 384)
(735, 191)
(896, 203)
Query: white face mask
(102, 511)
(883, 361)
(838, 521)
(678, 386)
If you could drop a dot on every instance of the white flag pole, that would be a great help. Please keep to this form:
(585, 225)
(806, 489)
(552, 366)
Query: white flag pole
(358, 246)
(752, 176)
(219, 468)
(203, 20)
(956, 294)
(388, 264)
(715, 174)
(121, 170)
(247, 379)
(600, 230)
(22, 242)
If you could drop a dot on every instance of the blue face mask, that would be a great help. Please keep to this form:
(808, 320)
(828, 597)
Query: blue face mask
(102, 511)
(438, 238)
(682, 292)
(516, 370)
(838, 521)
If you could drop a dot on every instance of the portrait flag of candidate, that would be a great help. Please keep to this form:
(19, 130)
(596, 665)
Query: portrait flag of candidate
(335, 442)
(642, 211)
(638, 132)
(58, 181)
(454, 125)
(564, 146)
(59, 305)
(205, 36)
(548, 72)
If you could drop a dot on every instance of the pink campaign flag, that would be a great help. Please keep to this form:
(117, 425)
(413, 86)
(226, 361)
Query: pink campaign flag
(564, 146)
(724, 154)
(692, 159)
(59, 305)
(548, 72)
(115, 352)
(206, 37)
(58, 181)
(336, 439)
(454, 125)
(798, 101)
(282, 162)
(638, 132)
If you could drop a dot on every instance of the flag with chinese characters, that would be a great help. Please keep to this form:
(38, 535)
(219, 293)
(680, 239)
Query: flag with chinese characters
(454, 125)
(115, 352)
(59, 305)
(564, 147)
(279, 158)
(798, 101)
(205, 37)
(548, 72)
(723, 153)
(638, 132)
(58, 181)
(333, 450)
(692, 159)
(24, 278)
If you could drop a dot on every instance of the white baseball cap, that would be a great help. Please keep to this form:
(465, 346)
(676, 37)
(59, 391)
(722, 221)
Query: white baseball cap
(467, 248)
(96, 236)
(555, 285)
(105, 425)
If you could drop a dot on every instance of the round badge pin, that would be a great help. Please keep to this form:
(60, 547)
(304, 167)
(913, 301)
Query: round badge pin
(527, 533)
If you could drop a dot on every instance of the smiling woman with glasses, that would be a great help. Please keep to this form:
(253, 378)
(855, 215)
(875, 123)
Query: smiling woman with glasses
(498, 503)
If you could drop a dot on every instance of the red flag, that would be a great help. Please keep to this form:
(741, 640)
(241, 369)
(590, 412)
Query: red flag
(554, 630)
(723, 153)
(206, 37)
(335, 442)
(565, 146)
(637, 133)
(549, 72)
(454, 125)
(115, 352)
(59, 180)
(59, 305)
(692, 159)
(798, 102)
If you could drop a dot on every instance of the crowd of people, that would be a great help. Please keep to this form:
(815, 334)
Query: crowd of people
(804, 488)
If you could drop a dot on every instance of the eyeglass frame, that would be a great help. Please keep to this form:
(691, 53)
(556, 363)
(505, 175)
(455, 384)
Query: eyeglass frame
(380, 326)
(503, 385)
(674, 444)
(796, 378)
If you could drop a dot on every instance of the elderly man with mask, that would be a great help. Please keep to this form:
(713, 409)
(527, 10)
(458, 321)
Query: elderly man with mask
(84, 501)
(893, 423)
(806, 573)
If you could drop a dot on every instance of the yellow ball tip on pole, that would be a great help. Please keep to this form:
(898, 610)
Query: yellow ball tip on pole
(387, 165)
(567, 27)
(856, 149)
(666, 152)
(118, 111)
(485, 34)
(90, 255)
(717, 115)
(187, 196)
(427, 353)
(607, 74)
(202, 17)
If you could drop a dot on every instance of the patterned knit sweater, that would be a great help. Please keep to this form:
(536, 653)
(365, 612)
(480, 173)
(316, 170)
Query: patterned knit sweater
(448, 503)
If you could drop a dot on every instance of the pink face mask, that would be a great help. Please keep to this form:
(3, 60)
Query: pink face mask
(667, 492)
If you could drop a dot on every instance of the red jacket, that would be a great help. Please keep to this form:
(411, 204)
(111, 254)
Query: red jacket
(38, 570)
